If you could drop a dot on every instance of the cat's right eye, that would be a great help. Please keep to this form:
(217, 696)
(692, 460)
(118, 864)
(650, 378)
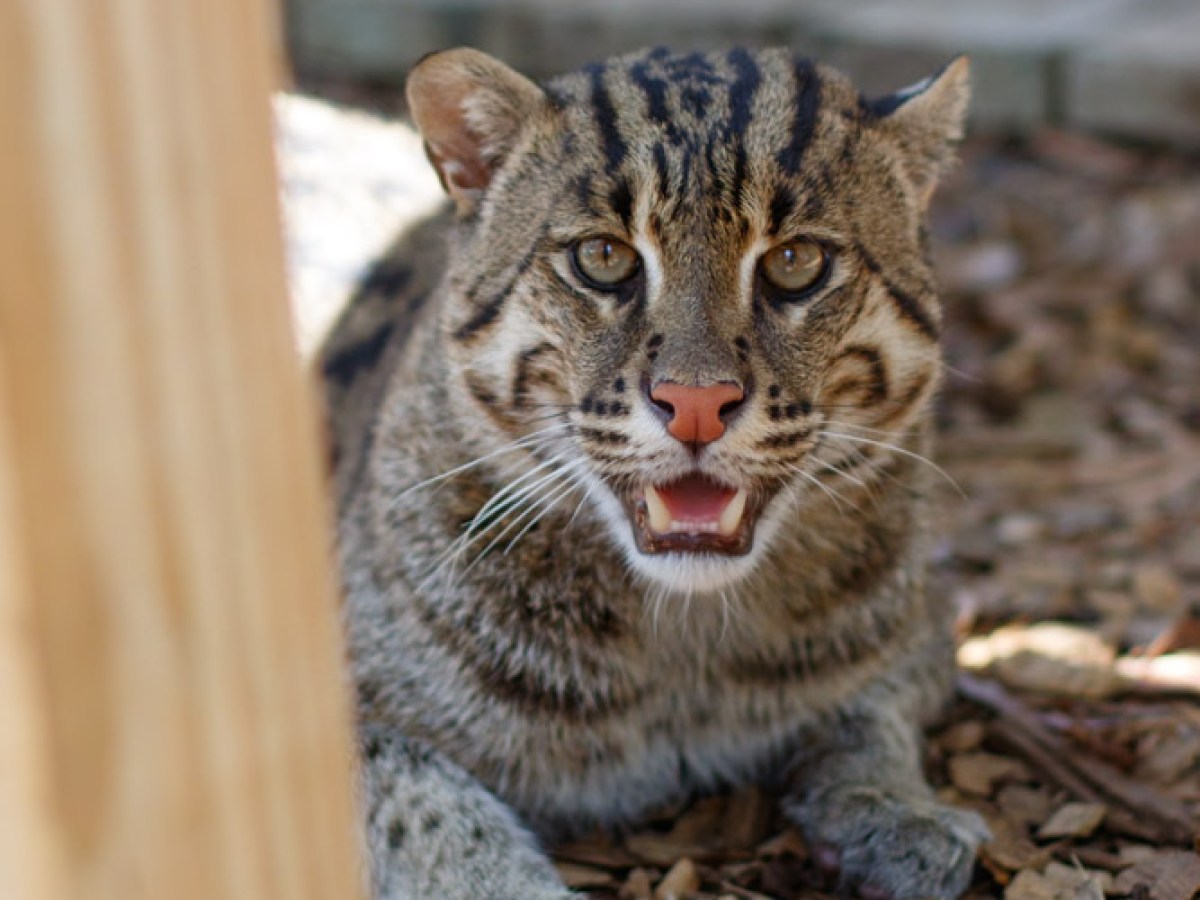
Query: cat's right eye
(795, 267)
(605, 262)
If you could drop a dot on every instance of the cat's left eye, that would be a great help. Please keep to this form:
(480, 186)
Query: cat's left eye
(606, 262)
(796, 266)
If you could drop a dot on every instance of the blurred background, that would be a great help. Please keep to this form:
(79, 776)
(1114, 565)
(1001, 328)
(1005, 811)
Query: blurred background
(1068, 248)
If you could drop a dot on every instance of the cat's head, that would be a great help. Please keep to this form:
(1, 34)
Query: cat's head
(700, 280)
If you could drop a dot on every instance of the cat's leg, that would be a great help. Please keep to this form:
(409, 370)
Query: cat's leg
(435, 833)
(861, 799)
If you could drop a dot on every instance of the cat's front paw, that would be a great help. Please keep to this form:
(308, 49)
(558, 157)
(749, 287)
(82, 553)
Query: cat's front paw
(887, 847)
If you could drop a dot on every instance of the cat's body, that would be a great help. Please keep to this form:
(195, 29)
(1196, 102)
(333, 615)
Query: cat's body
(559, 652)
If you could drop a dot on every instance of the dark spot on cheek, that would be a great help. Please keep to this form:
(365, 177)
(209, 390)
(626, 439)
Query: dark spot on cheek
(432, 823)
(619, 386)
(774, 391)
(601, 408)
(652, 346)
(396, 835)
(775, 412)
(586, 404)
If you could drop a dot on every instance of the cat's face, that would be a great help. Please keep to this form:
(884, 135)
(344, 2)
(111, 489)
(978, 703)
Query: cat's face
(703, 275)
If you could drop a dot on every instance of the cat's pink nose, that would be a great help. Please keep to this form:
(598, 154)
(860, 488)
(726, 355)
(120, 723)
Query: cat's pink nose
(696, 413)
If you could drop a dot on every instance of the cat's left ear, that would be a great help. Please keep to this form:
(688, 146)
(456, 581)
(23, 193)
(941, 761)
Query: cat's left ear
(470, 108)
(927, 119)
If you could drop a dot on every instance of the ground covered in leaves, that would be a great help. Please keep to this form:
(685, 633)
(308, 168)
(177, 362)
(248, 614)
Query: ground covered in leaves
(1070, 425)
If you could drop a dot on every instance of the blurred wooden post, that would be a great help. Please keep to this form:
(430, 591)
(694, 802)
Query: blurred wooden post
(173, 722)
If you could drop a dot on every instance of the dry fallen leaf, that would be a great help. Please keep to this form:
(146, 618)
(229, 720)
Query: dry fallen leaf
(977, 773)
(963, 736)
(1073, 820)
(1168, 874)
(787, 843)
(679, 883)
(1077, 883)
(575, 875)
(1029, 806)
(1011, 850)
(1179, 878)
(747, 818)
(1029, 885)
(638, 886)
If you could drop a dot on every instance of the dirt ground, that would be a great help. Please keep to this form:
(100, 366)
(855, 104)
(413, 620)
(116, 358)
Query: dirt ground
(1070, 441)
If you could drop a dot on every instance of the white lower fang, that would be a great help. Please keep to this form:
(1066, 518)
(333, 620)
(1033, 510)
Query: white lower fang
(657, 512)
(731, 517)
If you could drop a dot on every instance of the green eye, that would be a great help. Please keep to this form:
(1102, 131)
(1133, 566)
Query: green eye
(606, 262)
(796, 266)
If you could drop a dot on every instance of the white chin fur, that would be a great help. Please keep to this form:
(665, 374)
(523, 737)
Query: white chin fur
(686, 573)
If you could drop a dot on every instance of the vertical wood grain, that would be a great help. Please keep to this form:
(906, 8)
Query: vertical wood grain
(172, 714)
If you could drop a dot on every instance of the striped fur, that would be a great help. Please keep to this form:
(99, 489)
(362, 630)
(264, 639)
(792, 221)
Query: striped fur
(548, 674)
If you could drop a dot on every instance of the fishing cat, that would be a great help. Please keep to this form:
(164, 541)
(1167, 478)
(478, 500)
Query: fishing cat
(630, 463)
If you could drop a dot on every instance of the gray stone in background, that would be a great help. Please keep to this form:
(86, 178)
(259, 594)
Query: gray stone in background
(1130, 67)
(1015, 47)
(1143, 80)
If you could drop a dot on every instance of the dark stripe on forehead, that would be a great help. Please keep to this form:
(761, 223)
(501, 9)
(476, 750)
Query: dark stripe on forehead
(806, 103)
(906, 304)
(584, 193)
(658, 110)
(661, 171)
(620, 198)
(739, 175)
(742, 91)
(783, 204)
(606, 119)
(741, 107)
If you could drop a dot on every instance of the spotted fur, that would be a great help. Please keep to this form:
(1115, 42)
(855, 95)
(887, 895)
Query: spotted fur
(522, 668)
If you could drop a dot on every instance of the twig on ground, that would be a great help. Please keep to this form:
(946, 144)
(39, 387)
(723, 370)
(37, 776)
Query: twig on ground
(1133, 808)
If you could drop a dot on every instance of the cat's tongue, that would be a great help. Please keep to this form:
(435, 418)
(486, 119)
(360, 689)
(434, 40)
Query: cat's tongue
(694, 505)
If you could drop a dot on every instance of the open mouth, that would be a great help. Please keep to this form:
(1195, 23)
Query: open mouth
(693, 514)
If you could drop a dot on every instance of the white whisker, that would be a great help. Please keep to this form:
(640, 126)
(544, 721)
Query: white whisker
(548, 504)
(903, 452)
(537, 437)
(833, 495)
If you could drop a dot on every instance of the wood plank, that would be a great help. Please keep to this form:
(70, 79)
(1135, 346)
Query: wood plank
(172, 712)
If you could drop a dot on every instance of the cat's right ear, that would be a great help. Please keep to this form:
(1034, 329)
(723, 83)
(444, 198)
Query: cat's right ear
(469, 108)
